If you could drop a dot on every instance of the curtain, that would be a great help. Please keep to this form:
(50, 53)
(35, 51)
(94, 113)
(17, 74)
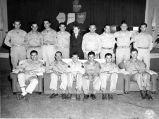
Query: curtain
(3, 20)
(98, 12)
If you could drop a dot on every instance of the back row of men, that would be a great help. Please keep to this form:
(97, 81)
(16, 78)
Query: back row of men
(49, 41)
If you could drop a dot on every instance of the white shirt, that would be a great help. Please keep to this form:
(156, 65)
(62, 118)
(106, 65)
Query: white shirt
(91, 42)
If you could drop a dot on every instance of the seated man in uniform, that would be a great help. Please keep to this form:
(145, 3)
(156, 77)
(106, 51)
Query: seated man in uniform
(28, 73)
(109, 71)
(91, 76)
(137, 71)
(76, 70)
(58, 71)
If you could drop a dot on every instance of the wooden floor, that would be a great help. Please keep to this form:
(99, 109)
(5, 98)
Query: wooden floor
(129, 106)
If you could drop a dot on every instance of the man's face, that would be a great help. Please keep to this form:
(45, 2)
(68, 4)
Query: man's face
(92, 28)
(124, 27)
(108, 59)
(58, 56)
(47, 24)
(143, 28)
(134, 54)
(91, 57)
(34, 56)
(62, 27)
(107, 29)
(34, 27)
(16, 25)
(75, 58)
(76, 30)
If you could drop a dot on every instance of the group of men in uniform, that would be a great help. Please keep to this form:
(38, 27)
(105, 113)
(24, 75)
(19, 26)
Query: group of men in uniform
(52, 46)
(46, 43)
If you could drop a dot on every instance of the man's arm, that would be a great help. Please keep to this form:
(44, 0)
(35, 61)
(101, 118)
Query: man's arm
(8, 40)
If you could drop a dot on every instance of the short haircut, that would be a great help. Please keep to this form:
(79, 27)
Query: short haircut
(62, 24)
(17, 21)
(134, 50)
(46, 20)
(76, 26)
(34, 51)
(75, 53)
(92, 25)
(143, 24)
(108, 54)
(106, 25)
(58, 52)
(91, 53)
(123, 22)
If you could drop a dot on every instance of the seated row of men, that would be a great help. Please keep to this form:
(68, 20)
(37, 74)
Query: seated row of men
(88, 74)
(49, 41)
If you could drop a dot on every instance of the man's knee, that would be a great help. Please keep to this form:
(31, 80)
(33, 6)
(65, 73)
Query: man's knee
(21, 75)
(53, 76)
(146, 75)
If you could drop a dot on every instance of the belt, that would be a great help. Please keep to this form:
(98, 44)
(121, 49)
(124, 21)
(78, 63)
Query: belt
(48, 44)
(107, 48)
(34, 46)
(143, 47)
(17, 45)
(123, 47)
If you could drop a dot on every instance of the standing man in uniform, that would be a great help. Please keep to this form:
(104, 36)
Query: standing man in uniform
(28, 72)
(109, 71)
(59, 72)
(91, 42)
(49, 47)
(63, 41)
(76, 70)
(123, 43)
(143, 43)
(15, 40)
(91, 77)
(137, 72)
(108, 41)
(34, 41)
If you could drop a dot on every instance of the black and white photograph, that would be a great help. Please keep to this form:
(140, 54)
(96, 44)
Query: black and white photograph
(79, 59)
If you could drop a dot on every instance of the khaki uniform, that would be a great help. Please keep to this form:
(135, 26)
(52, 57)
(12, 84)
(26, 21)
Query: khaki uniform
(15, 40)
(63, 43)
(143, 42)
(91, 77)
(76, 70)
(34, 42)
(91, 42)
(107, 44)
(123, 43)
(109, 71)
(49, 47)
(59, 71)
(137, 72)
(29, 70)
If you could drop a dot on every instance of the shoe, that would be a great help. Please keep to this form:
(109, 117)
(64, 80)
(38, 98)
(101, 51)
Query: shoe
(86, 96)
(27, 97)
(143, 94)
(154, 92)
(69, 96)
(103, 96)
(110, 97)
(148, 95)
(126, 92)
(20, 97)
(93, 96)
(64, 96)
(53, 95)
(78, 97)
